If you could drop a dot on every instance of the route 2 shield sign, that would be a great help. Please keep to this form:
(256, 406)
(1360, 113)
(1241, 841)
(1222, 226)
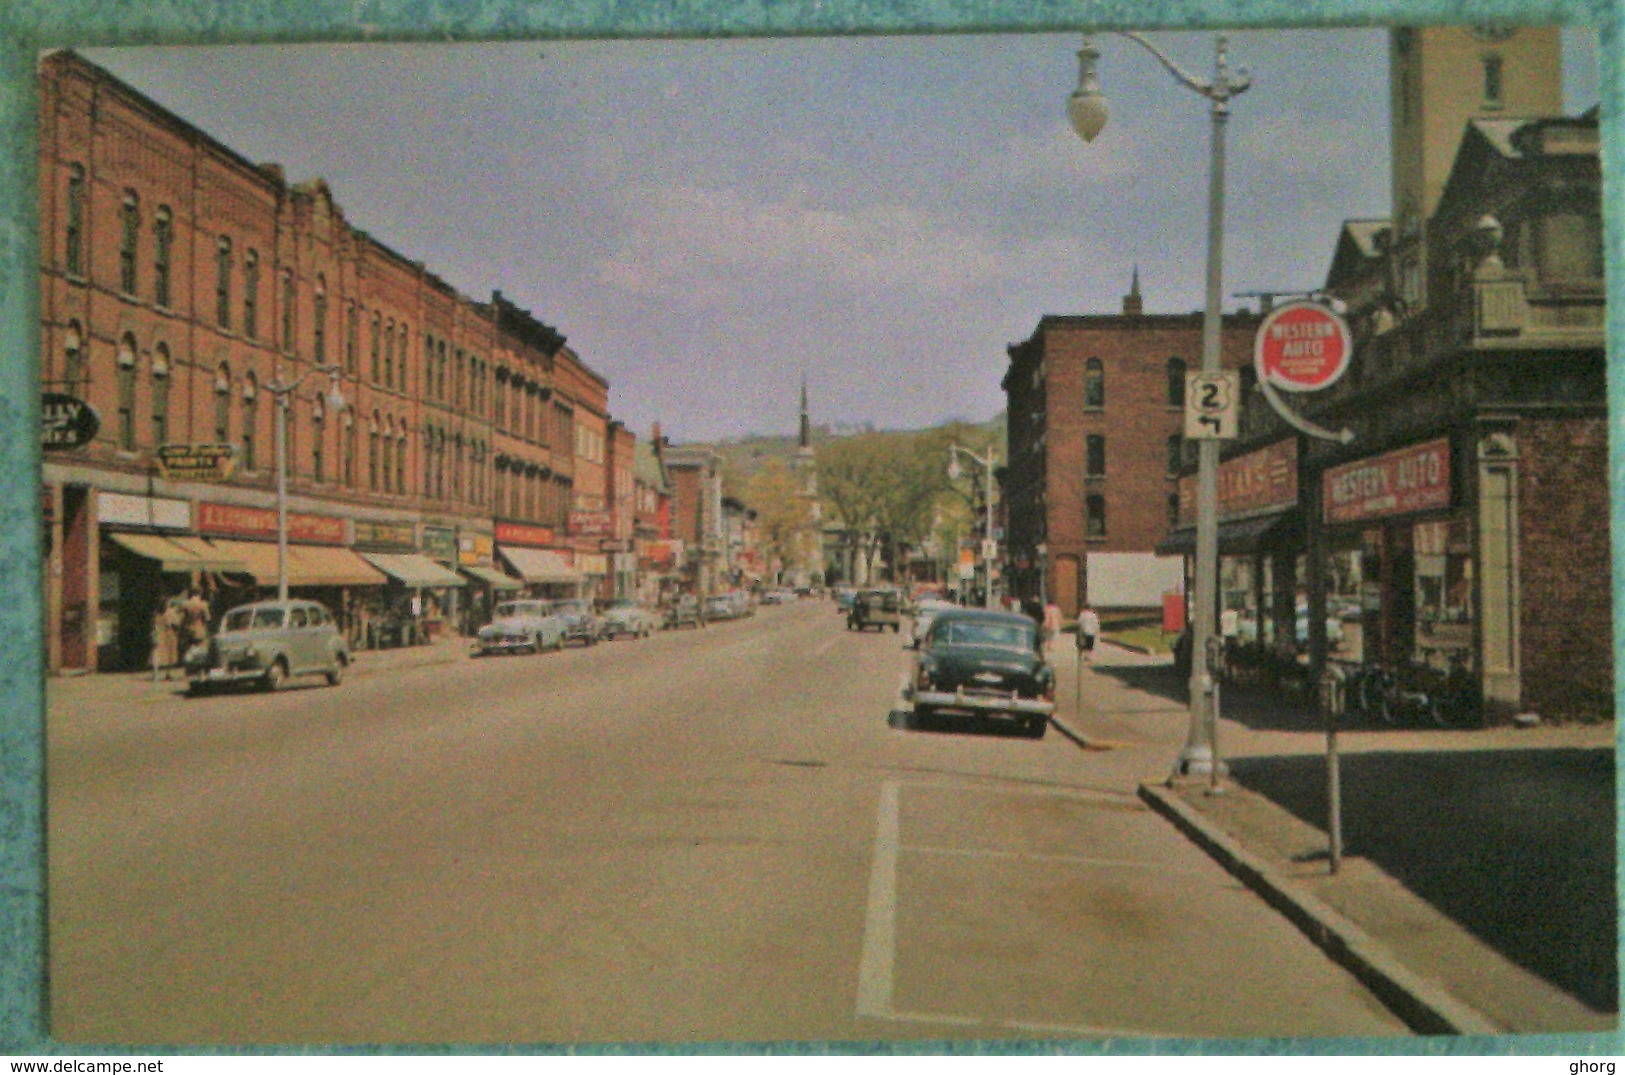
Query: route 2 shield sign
(1212, 405)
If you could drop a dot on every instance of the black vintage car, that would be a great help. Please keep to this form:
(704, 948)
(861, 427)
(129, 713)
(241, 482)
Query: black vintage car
(983, 663)
(875, 608)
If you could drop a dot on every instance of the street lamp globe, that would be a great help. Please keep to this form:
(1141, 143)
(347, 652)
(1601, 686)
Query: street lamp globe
(1086, 108)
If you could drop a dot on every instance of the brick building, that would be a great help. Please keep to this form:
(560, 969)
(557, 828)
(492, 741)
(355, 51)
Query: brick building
(1095, 413)
(188, 295)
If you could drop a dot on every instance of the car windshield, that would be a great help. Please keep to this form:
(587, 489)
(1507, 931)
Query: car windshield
(971, 633)
(518, 608)
(241, 619)
(570, 606)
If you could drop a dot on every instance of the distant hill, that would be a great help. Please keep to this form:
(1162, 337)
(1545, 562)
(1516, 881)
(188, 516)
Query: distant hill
(743, 456)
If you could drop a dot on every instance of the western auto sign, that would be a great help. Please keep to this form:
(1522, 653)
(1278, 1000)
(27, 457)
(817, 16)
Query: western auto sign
(1302, 347)
(1410, 479)
(66, 422)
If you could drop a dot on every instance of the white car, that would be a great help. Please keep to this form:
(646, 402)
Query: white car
(924, 612)
(627, 617)
(527, 625)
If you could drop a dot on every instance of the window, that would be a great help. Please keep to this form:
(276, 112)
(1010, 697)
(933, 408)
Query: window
(1094, 462)
(73, 355)
(372, 453)
(401, 365)
(126, 394)
(1493, 82)
(389, 355)
(287, 311)
(1173, 511)
(1176, 453)
(319, 326)
(163, 230)
(1094, 517)
(222, 283)
(457, 380)
(1176, 382)
(318, 441)
(160, 396)
(500, 415)
(386, 454)
(1570, 248)
(222, 405)
(377, 346)
(251, 392)
(349, 450)
(352, 338)
(400, 459)
(440, 373)
(130, 231)
(251, 295)
(74, 255)
(1094, 383)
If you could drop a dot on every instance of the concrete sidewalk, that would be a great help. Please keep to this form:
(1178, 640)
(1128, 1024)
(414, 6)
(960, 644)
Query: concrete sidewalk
(1476, 893)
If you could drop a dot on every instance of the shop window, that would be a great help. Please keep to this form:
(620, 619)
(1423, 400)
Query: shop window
(163, 232)
(130, 231)
(1094, 383)
(1238, 601)
(1445, 615)
(74, 253)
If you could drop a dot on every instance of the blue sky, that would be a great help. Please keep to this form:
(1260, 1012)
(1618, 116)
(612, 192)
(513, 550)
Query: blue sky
(709, 221)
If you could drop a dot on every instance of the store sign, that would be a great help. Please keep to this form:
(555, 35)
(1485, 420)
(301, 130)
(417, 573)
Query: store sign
(1410, 479)
(235, 520)
(66, 422)
(123, 509)
(594, 524)
(440, 543)
(384, 535)
(1251, 484)
(592, 563)
(537, 537)
(1302, 347)
(197, 462)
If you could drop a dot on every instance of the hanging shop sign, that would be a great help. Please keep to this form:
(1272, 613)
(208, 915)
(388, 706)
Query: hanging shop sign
(66, 422)
(1302, 347)
(197, 462)
(1396, 483)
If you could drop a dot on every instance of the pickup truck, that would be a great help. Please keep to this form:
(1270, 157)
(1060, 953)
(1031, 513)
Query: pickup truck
(875, 608)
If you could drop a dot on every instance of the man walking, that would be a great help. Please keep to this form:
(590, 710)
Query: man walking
(1088, 631)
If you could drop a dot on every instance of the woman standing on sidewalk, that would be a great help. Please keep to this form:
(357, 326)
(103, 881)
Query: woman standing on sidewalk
(1088, 631)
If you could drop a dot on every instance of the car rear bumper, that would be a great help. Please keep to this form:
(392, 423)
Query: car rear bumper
(983, 703)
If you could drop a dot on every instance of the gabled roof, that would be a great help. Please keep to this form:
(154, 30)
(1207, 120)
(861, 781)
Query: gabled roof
(1358, 249)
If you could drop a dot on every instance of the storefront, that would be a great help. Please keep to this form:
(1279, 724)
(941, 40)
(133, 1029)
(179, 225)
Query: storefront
(547, 572)
(420, 594)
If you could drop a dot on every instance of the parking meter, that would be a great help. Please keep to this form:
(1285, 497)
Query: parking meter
(1333, 682)
(1333, 686)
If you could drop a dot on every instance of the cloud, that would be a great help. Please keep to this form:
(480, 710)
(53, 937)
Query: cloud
(1052, 159)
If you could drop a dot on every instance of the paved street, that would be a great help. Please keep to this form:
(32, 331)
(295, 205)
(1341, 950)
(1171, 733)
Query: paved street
(707, 835)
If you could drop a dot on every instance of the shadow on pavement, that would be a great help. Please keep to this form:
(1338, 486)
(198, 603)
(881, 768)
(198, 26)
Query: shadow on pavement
(1254, 707)
(1517, 846)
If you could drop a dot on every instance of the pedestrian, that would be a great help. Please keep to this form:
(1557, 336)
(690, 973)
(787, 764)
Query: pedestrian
(195, 619)
(166, 641)
(1088, 631)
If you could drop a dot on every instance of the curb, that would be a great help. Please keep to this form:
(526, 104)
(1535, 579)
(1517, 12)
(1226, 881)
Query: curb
(1424, 1006)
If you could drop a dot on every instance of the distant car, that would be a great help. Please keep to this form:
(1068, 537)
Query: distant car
(581, 623)
(984, 663)
(525, 625)
(684, 612)
(875, 608)
(924, 613)
(269, 642)
(777, 597)
(719, 607)
(844, 598)
(626, 617)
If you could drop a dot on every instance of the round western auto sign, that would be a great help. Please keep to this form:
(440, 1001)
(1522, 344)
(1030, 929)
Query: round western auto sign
(1302, 347)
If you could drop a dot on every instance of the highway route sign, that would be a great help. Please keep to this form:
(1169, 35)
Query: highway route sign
(1212, 405)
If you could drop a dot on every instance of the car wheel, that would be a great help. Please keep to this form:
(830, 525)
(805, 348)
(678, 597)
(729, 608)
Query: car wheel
(276, 675)
(1036, 727)
(335, 675)
(197, 689)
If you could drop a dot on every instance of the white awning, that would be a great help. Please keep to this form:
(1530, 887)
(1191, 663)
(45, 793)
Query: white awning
(410, 569)
(539, 565)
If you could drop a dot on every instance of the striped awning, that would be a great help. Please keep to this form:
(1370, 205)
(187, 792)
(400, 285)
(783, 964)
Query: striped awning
(178, 553)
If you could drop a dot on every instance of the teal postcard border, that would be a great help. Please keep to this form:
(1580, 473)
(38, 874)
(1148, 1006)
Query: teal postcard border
(27, 26)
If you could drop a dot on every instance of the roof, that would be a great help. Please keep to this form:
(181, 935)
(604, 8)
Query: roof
(983, 615)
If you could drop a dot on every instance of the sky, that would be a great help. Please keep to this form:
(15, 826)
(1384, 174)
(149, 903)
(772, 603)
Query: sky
(708, 222)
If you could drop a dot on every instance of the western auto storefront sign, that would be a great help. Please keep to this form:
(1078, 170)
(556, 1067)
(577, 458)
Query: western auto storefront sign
(1251, 484)
(1397, 483)
(237, 521)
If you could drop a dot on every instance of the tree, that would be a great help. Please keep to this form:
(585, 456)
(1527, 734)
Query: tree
(781, 512)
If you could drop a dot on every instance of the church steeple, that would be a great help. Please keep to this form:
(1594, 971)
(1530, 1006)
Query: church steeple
(1133, 305)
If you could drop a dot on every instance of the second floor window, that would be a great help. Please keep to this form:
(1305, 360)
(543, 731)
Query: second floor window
(163, 233)
(251, 295)
(287, 311)
(1094, 383)
(129, 234)
(74, 255)
(318, 441)
(222, 405)
(222, 283)
(250, 416)
(1176, 382)
(160, 396)
(126, 394)
(73, 356)
(319, 324)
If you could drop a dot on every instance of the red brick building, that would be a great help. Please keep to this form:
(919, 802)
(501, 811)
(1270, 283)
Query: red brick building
(1095, 413)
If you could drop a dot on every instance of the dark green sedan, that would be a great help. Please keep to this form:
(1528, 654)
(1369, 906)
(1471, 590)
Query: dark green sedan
(987, 664)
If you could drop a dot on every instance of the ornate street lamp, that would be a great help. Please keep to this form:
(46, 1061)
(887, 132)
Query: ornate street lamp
(1086, 108)
(282, 392)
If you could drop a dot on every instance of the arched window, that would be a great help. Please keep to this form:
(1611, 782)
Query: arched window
(251, 406)
(377, 345)
(400, 366)
(130, 232)
(288, 295)
(1094, 383)
(389, 355)
(400, 458)
(222, 405)
(352, 338)
(1094, 520)
(222, 282)
(73, 356)
(74, 254)
(1094, 463)
(1176, 382)
(318, 440)
(372, 453)
(251, 294)
(163, 233)
(349, 449)
(160, 396)
(319, 345)
(126, 394)
(386, 454)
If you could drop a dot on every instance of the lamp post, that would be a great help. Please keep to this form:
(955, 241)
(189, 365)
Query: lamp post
(1087, 110)
(954, 452)
(282, 391)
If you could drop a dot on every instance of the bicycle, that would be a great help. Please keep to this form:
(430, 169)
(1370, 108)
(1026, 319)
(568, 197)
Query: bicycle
(1389, 696)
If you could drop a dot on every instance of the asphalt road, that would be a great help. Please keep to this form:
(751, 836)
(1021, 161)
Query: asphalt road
(707, 835)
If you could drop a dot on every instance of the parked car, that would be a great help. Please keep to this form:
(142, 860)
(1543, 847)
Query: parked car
(719, 607)
(875, 608)
(844, 596)
(777, 597)
(925, 612)
(626, 617)
(684, 612)
(984, 663)
(527, 625)
(581, 623)
(269, 642)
